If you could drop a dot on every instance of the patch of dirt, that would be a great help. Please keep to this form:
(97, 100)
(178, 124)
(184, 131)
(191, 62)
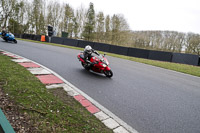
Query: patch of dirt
(19, 121)
(62, 95)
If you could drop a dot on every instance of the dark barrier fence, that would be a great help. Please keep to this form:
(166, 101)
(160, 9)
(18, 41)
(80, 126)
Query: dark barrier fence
(199, 60)
(70, 42)
(134, 52)
(22, 36)
(102, 47)
(57, 40)
(160, 55)
(82, 43)
(28, 36)
(46, 39)
(35, 37)
(32, 37)
(119, 50)
(38, 37)
(17, 35)
(185, 59)
(140, 53)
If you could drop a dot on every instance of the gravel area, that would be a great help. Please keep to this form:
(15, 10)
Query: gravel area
(19, 121)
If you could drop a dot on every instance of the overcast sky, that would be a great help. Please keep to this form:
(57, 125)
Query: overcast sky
(176, 15)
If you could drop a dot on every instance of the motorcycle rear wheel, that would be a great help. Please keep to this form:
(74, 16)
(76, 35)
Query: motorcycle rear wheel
(108, 73)
(85, 66)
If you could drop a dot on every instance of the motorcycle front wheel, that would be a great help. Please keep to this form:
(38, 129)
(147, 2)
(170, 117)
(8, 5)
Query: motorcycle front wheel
(15, 41)
(108, 73)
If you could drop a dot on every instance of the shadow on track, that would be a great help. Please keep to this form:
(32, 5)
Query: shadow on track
(93, 74)
(9, 42)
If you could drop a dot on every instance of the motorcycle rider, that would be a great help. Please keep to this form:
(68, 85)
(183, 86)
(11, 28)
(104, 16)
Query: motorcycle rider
(4, 32)
(88, 55)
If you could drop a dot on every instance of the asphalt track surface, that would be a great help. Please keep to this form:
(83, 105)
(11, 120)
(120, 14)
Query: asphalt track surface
(148, 98)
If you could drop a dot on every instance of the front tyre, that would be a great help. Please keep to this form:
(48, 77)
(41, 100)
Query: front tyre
(108, 73)
(15, 41)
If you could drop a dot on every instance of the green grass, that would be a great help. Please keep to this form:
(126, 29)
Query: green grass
(188, 69)
(48, 112)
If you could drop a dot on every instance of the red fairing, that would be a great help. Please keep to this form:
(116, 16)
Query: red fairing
(100, 64)
(107, 69)
(79, 57)
(94, 59)
(106, 60)
(82, 60)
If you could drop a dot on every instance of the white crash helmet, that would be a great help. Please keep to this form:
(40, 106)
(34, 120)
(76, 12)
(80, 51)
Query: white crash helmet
(88, 49)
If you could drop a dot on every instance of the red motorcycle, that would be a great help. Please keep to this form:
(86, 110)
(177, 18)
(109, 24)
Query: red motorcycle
(100, 64)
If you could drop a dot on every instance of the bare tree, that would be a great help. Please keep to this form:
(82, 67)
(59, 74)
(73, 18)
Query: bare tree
(81, 14)
(6, 10)
(54, 15)
(89, 27)
(32, 17)
(68, 19)
(193, 43)
(108, 29)
(100, 27)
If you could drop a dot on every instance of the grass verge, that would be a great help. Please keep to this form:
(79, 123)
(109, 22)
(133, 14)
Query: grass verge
(49, 110)
(188, 69)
